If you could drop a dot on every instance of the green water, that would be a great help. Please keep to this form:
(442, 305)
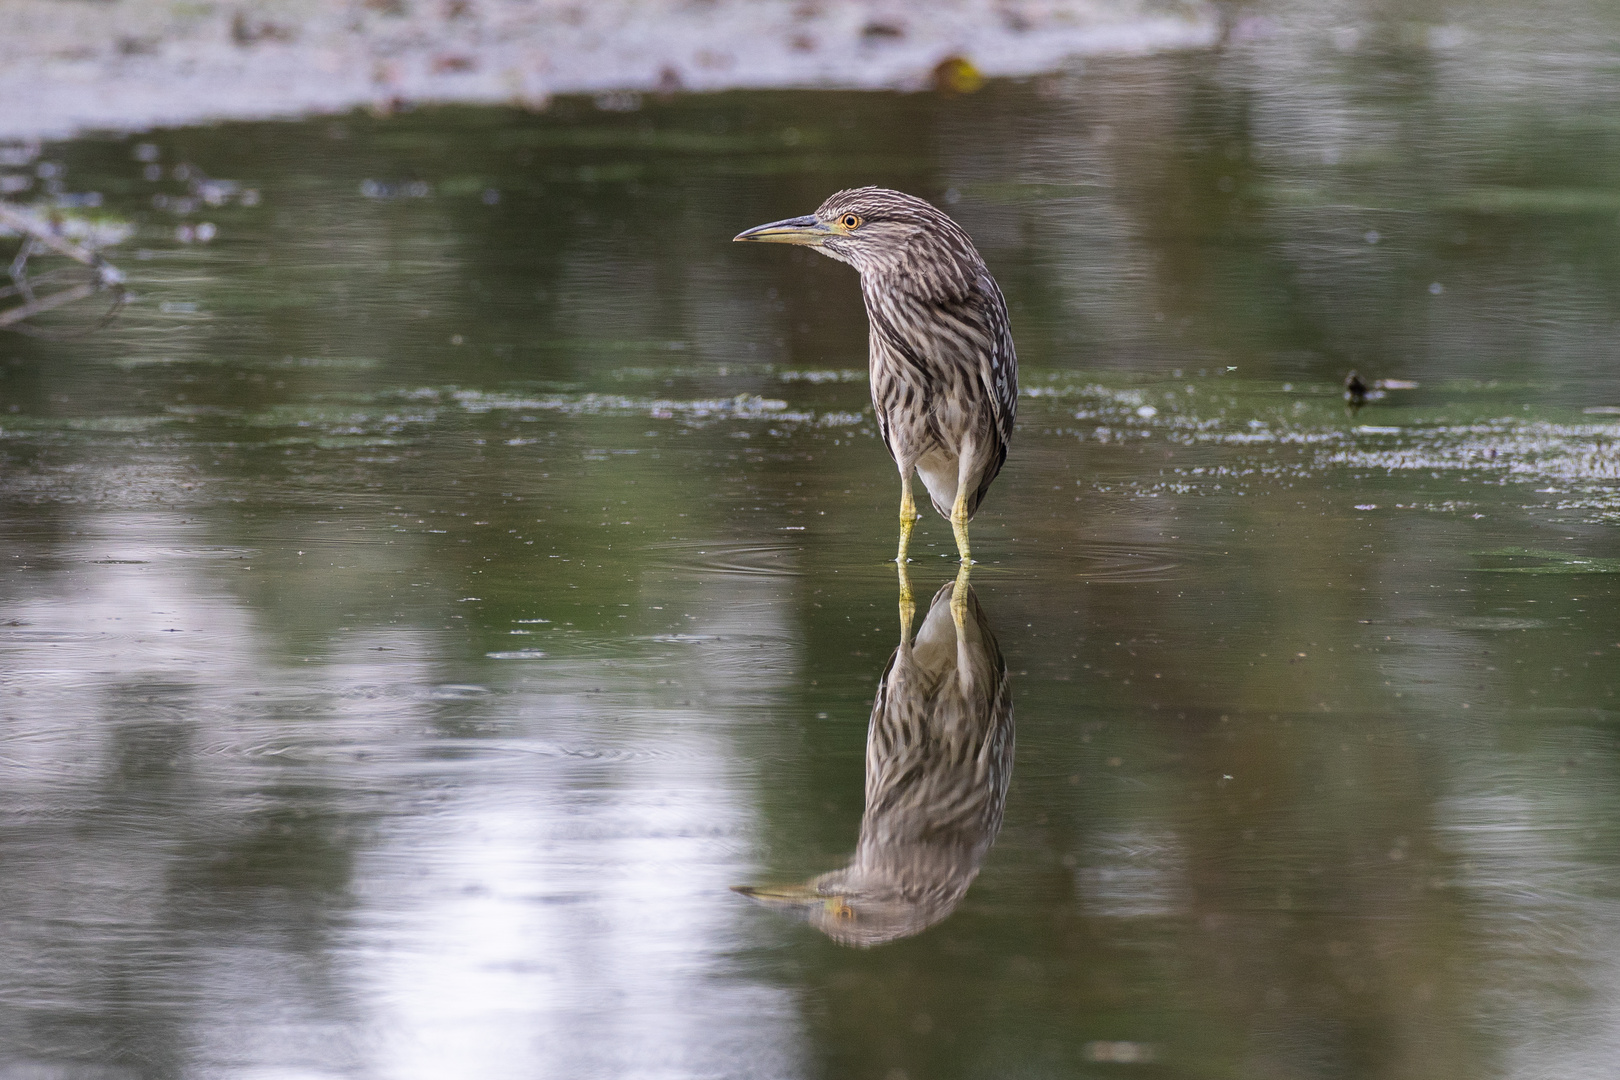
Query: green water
(423, 604)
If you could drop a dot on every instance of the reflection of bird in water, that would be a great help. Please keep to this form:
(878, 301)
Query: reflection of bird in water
(939, 753)
(1355, 391)
(944, 375)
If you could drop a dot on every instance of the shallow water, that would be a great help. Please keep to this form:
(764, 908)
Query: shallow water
(431, 597)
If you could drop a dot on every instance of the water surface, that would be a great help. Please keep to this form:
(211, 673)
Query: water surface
(431, 596)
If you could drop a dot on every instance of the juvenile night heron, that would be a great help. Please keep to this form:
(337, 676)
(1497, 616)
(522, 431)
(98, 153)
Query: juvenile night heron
(944, 375)
(939, 755)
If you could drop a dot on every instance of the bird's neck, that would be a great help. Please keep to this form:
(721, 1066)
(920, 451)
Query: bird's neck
(918, 280)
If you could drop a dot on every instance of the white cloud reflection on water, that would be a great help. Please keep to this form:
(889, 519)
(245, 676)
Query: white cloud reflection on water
(1539, 893)
(571, 915)
(550, 903)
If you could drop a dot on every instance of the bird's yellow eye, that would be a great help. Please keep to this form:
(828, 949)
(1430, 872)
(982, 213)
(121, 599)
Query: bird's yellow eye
(850, 221)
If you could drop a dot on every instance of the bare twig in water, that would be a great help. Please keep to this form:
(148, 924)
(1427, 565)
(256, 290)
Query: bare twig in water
(55, 300)
(40, 238)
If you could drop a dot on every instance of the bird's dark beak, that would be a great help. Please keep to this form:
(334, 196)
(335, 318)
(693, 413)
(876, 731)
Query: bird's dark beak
(807, 231)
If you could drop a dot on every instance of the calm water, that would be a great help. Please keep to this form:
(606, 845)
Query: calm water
(430, 598)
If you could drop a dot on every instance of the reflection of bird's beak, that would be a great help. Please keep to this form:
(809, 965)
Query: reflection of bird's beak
(799, 230)
(805, 898)
(778, 895)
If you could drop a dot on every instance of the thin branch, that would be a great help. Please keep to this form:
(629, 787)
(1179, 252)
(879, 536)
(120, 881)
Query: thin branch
(45, 237)
(55, 300)
(26, 225)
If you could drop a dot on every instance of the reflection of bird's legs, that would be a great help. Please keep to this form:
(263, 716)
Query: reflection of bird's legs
(959, 593)
(965, 666)
(908, 518)
(908, 609)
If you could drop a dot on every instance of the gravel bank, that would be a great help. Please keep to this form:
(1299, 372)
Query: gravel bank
(72, 65)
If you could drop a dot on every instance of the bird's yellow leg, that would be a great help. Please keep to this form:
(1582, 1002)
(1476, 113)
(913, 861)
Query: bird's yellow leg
(908, 518)
(959, 523)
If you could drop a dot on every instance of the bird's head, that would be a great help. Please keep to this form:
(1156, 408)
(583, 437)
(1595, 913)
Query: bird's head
(854, 911)
(844, 912)
(876, 230)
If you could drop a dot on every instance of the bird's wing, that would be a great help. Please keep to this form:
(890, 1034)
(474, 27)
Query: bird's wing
(999, 371)
(880, 375)
(976, 325)
(898, 727)
(973, 330)
(929, 342)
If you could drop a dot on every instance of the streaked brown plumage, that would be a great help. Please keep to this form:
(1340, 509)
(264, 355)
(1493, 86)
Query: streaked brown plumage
(939, 755)
(943, 369)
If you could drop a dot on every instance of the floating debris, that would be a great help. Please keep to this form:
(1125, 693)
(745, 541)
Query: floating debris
(957, 75)
(1552, 562)
(841, 375)
(1120, 1052)
(743, 406)
(1355, 391)
(405, 189)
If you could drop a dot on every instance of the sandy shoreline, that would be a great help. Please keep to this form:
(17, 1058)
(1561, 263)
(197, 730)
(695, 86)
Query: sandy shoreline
(68, 66)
